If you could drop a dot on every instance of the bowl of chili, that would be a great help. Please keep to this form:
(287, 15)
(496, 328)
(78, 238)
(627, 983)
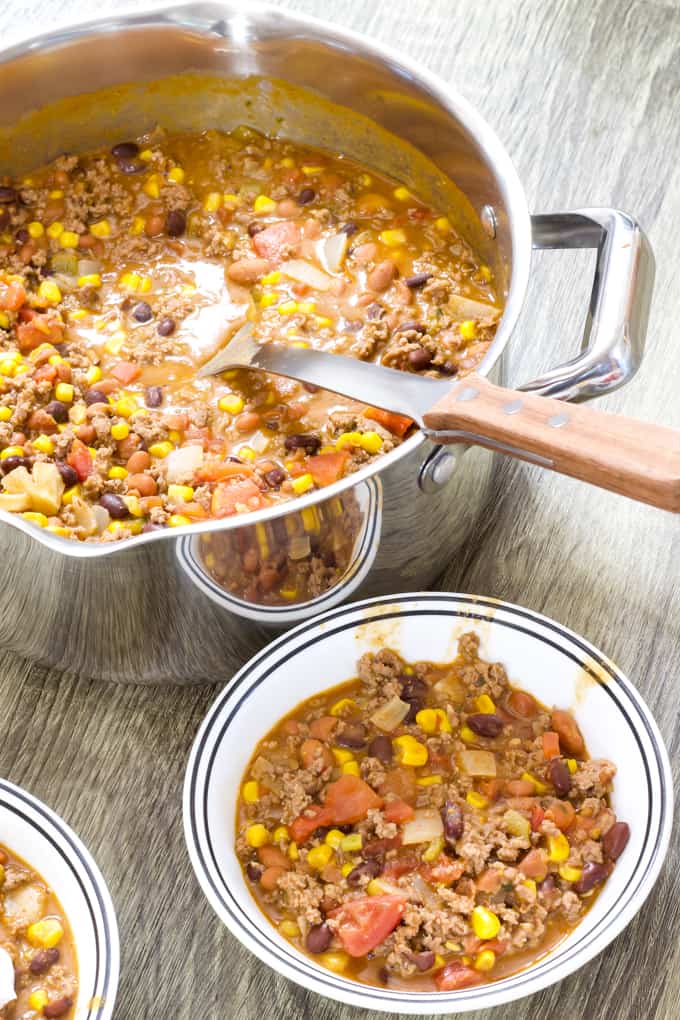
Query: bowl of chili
(470, 819)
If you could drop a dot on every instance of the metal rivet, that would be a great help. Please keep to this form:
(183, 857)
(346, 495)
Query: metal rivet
(514, 407)
(488, 218)
(558, 420)
(468, 393)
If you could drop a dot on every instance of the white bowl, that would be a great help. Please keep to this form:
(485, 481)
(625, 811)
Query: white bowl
(541, 656)
(35, 833)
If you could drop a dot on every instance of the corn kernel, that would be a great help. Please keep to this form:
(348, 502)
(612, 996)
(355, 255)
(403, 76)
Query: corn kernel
(485, 273)
(56, 193)
(137, 226)
(476, 800)
(38, 999)
(485, 960)
(402, 194)
(93, 374)
(337, 961)
(257, 835)
(319, 856)
(69, 239)
(306, 307)
(134, 506)
(56, 529)
(146, 155)
(334, 838)
(485, 923)
(375, 888)
(7, 367)
(289, 929)
(347, 868)
(152, 186)
(309, 171)
(70, 494)
(323, 322)
(410, 751)
(5, 413)
(270, 279)
(4, 320)
(90, 280)
(352, 843)
(49, 291)
(287, 162)
(35, 518)
(293, 851)
(341, 755)
(371, 442)
(117, 472)
(393, 238)
(247, 453)
(443, 224)
(231, 200)
(302, 484)
(178, 520)
(161, 449)
(131, 281)
(466, 734)
(433, 720)
(468, 329)
(100, 229)
(538, 786)
(45, 934)
(288, 308)
(43, 444)
(288, 593)
(251, 792)
(268, 298)
(342, 707)
(348, 439)
(516, 824)
(571, 765)
(145, 285)
(558, 848)
(116, 342)
(530, 884)
(263, 205)
(55, 230)
(212, 202)
(176, 175)
(35, 229)
(280, 834)
(121, 430)
(434, 850)
(570, 874)
(64, 391)
(125, 407)
(180, 493)
(350, 768)
(174, 436)
(231, 403)
(429, 780)
(485, 705)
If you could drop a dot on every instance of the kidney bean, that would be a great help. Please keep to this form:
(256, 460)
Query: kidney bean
(352, 735)
(8, 195)
(571, 738)
(155, 224)
(143, 483)
(271, 876)
(379, 847)
(521, 705)
(131, 166)
(86, 434)
(424, 960)
(125, 150)
(615, 840)
(349, 228)
(153, 395)
(559, 776)
(381, 276)
(254, 871)
(10, 463)
(371, 869)
(4, 219)
(413, 691)
(42, 421)
(58, 410)
(57, 1008)
(22, 236)
(247, 271)
(275, 478)
(419, 358)
(95, 397)
(166, 327)
(548, 884)
(176, 222)
(418, 280)
(306, 196)
(142, 311)
(43, 960)
(485, 725)
(67, 473)
(302, 441)
(381, 748)
(319, 938)
(453, 820)
(114, 504)
(139, 461)
(592, 875)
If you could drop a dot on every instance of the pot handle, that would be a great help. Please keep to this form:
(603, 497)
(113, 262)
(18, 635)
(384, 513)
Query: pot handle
(614, 336)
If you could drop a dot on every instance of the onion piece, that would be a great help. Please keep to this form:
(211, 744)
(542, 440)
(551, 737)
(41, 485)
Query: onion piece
(183, 463)
(425, 826)
(299, 547)
(469, 309)
(389, 715)
(478, 763)
(334, 250)
(89, 267)
(305, 272)
(259, 442)
(64, 262)
(7, 991)
(424, 892)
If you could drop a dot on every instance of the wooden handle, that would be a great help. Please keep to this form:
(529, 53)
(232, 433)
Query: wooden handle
(634, 458)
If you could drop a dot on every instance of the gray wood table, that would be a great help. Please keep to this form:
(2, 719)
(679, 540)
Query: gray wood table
(585, 96)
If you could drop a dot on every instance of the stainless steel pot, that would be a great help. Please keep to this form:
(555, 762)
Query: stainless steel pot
(148, 610)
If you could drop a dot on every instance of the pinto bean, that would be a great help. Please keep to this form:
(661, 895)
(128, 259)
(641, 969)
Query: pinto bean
(144, 484)
(270, 877)
(381, 276)
(247, 421)
(615, 840)
(364, 253)
(247, 271)
(273, 857)
(485, 724)
(311, 750)
(139, 461)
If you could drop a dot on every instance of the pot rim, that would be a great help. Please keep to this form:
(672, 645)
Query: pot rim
(202, 18)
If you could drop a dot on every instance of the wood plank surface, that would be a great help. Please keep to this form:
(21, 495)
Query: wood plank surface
(586, 98)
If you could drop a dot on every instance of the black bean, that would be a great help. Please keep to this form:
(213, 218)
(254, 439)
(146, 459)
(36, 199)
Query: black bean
(275, 478)
(166, 327)
(43, 960)
(176, 222)
(67, 473)
(153, 396)
(381, 748)
(413, 687)
(352, 735)
(125, 150)
(453, 820)
(349, 228)
(329, 559)
(485, 724)
(58, 1007)
(302, 441)
(418, 280)
(592, 875)
(615, 840)
(369, 868)
(559, 776)
(142, 311)
(306, 196)
(410, 326)
(254, 871)
(58, 410)
(255, 228)
(131, 166)
(10, 463)
(95, 397)
(8, 195)
(375, 311)
(419, 358)
(319, 938)
(448, 368)
(424, 960)
(22, 236)
(114, 504)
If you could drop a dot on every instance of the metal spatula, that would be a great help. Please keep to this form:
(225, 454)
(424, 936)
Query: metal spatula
(634, 458)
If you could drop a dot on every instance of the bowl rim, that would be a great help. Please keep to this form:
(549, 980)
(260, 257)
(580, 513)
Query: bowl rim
(202, 17)
(555, 965)
(53, 829)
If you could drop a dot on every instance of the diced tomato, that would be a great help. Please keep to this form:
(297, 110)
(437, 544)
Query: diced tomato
(274, 242)
(197, 436)
(402, 783)
(80, 459)
(228, 495)
(456, 975)
(323, 727)
(490, 880)
(397, 424)
(561, 813)
(584, 823)
(364, 923)
(219, 470)
(125, 372)
(496, 946)
(349, 799)
(551, 744)
(12, 297)
(48, 372)
(397, 811)
(534, 864)
(444, 871)
(402, 865)
(537, 816)
(327, 467)
(491, 788)
(304, 825)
